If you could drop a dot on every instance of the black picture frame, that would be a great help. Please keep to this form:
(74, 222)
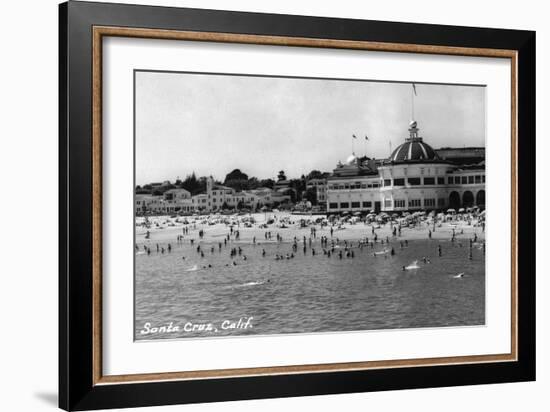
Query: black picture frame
(77, 390)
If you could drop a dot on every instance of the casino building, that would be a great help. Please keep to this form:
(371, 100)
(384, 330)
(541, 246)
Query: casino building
(414, 177)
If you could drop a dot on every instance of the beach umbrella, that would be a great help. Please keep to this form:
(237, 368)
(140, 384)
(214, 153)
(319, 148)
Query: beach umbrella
(482, 213)
(461, 210)
(451, 211)
(357, 214)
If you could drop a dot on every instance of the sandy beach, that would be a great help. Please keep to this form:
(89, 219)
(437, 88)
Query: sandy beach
(165, 229)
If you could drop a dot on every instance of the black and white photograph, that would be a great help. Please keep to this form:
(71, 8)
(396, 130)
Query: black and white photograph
(286, 205)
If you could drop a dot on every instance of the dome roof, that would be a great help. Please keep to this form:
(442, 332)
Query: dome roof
(413, 150)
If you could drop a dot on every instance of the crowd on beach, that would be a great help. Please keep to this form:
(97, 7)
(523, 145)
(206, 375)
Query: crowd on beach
(382, 235)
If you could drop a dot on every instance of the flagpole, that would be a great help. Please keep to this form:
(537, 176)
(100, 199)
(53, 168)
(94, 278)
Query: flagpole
(412, 102)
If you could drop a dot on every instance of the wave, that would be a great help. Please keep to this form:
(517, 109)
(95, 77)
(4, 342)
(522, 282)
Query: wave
(260, 282)
(413, 266)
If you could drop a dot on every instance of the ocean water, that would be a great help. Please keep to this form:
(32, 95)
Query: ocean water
(308, 293)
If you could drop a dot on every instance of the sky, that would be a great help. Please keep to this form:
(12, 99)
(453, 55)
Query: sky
(211, 124)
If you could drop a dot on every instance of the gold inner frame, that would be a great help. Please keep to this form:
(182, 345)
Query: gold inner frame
(101, 31)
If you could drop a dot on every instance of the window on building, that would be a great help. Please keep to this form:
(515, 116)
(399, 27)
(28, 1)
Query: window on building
(346, 186)
(387, 202)
(482, 178)
(470, 179)
(440, 180)
(450, 180)
(364, 186)
(355, 204)
(478, 179)
(429, 180)
(441, 202)
(387, 182)
(413, 181)
(421, 171)
(367, 204)
(464, 180)
(399, 182)
(333, 205)
(376, 185)
(344, 205)
(414, 203)
(429, 202)
(399, 203)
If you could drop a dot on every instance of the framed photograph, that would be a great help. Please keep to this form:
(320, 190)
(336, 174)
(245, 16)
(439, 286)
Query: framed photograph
(257, 206)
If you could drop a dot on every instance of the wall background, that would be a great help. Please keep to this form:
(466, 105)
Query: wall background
(28, 210)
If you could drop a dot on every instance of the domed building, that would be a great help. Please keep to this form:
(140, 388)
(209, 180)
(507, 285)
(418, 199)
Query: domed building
(413, 177)
(414, 149)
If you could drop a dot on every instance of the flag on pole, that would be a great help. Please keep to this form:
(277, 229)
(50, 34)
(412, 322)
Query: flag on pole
(355, 137)
(414, 89)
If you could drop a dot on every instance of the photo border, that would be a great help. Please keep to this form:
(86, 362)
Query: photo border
(291, 77)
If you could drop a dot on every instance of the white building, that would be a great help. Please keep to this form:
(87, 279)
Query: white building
(414, 177)
(218, 197)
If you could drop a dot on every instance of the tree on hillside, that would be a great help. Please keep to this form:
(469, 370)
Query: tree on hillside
(236, 174)
(267, 183)
(298, 186)
(315, 174)
(281, 175)
(253, 183)
(194, 185)
(236, 180)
